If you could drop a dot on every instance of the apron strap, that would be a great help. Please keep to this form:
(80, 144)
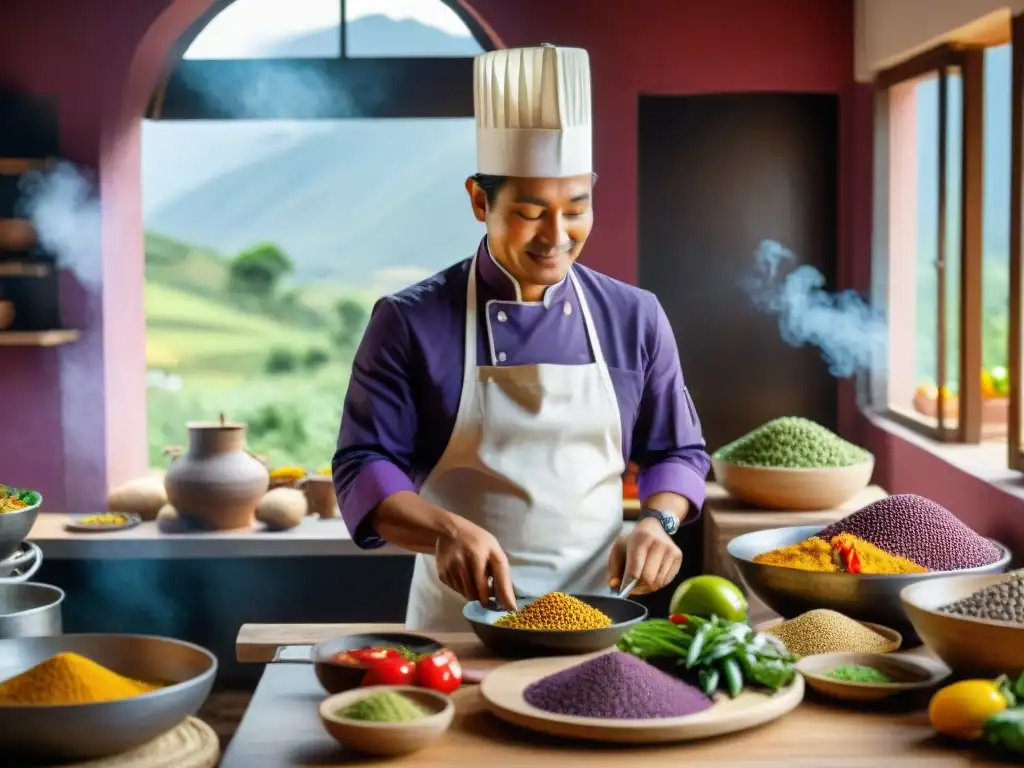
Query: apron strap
(588, 321)
(469, 358)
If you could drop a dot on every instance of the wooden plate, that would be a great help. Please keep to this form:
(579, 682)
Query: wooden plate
(895, 638)
(908, 674)
(75, 524)
(502, 691)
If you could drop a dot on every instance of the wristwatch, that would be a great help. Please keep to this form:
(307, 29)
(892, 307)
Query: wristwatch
(669, 522)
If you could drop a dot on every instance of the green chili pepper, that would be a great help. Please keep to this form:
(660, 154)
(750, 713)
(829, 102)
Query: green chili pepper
(733, 676)
(708, 681)
(697, 646)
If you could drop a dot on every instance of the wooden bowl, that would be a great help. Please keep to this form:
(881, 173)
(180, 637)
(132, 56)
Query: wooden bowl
(895, 638)
(976, 647)
(908, 674)
(793, 489)
(388, 739)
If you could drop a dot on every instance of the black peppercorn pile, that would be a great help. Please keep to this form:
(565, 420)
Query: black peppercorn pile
(999, 602)
(919, 530)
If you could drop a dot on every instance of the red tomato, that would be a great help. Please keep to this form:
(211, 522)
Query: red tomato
(440, 672)
(367, 655)
(678, 618)
(392, 671)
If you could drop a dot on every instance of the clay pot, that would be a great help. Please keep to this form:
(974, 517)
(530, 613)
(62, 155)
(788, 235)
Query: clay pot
(217, 483)
(320, 496)
(6, 315)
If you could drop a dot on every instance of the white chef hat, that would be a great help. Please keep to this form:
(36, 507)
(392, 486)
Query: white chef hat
(533, 112)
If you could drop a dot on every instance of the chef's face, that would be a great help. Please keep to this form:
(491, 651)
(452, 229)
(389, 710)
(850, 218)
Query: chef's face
(536, 228)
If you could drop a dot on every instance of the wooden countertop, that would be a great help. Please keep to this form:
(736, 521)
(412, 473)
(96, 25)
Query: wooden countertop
(281, 726)
(312, 538)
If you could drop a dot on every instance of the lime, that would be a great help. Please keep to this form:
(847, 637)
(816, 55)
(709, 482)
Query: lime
(706, 595)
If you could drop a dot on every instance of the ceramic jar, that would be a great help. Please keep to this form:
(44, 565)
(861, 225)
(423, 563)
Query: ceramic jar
(217, 483)
(319, 492)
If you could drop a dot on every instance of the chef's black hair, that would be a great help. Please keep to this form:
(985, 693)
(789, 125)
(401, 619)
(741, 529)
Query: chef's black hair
(491, 185)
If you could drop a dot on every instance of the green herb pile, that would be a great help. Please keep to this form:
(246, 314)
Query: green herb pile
(1005, 730)
(794, 443)
(716, 652)
(858, 673)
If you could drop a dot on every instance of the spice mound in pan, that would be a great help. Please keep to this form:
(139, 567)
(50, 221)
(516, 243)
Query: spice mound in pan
(555, 611)
(825, 631)
(998, 602)
(68, 678)
(615, 685)
(905, 533)
(792, 442)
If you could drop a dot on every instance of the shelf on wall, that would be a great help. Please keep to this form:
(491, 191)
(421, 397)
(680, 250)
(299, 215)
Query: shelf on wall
(38, 338)
(24, 269)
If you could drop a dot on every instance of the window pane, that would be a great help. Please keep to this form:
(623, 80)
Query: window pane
(951, 256)
(395, 28)
(996, 242)
(329, 215)
(271, 29)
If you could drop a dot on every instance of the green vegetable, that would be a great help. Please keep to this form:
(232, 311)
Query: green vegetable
(715, 651)
(858, 673)
(1005, 731)
(792, 442)
(383, 707)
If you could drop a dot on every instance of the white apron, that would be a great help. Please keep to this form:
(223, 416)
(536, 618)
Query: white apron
(535, 458)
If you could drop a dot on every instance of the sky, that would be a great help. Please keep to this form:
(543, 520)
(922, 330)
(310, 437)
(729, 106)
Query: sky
(248, 24)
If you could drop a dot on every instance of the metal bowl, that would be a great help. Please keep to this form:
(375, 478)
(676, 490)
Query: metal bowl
(15, 527)
(790, 592)
(29, 610)
(89, 731)
(507, 641)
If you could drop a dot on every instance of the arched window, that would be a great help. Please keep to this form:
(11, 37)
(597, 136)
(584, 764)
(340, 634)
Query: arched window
(302, 158)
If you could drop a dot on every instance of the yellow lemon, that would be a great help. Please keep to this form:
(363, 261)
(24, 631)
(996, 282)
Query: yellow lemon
(961, 709)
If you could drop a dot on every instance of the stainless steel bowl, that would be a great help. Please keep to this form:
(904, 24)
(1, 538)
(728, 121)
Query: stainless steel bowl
(90, 731)
(507, 641)
(790, 592)
(29, 610)
(15, 527)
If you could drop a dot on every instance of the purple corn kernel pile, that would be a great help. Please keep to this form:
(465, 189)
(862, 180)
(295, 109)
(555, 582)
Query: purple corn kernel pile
(615, 685)
(918, 529)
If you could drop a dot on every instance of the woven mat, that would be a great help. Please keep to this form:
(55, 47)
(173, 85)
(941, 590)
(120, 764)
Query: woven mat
(193, 744)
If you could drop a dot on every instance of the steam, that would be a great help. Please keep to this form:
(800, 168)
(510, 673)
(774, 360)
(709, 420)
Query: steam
(64, 208)
(282, 90)
(850, 334)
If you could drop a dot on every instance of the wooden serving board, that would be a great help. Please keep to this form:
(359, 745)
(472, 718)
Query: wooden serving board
(193, 744)
(502, 691)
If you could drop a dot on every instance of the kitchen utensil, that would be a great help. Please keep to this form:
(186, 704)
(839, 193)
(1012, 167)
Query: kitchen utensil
(337, 677)
(628, 587)
(508, 641)
(29, 610)
(388, 739)
(793, 489)
(975, 647)
(502, 691)
(77, 524)
(865, 597)
(15, 527)
(909, 674)
(895, 639)
(85, 731)
(217, 482)
(22, 565)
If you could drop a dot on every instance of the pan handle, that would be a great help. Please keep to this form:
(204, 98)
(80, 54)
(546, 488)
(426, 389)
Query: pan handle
(37, 561)
(279, 656)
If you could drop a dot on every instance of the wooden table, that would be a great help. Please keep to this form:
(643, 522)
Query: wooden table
(281, 727)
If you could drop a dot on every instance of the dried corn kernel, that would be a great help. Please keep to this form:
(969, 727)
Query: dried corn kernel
(556, 611)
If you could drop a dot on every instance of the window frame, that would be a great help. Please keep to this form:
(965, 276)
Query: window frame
(354, 81)
(1015, 459)
(941, 61)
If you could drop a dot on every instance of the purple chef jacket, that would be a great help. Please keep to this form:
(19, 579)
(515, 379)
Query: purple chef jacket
(403, 394)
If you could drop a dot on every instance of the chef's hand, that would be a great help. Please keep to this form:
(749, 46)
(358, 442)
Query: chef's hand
(648, 554)
(467, 557)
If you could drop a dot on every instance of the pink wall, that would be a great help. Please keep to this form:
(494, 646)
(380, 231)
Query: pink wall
(76, 415)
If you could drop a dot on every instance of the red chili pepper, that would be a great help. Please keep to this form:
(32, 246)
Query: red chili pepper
(440, 672)
(853, 564)
(390, 671)
(678, 618)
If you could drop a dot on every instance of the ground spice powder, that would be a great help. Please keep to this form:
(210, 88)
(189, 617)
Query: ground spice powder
(832, 556)
(68, 678)
(615, 685)
(825, 631)
(384, 707)
(556, 611)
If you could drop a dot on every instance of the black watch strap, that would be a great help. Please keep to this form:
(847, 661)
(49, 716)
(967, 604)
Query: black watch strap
(670, 523)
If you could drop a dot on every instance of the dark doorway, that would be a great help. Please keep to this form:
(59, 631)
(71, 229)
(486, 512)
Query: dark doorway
(719, 174)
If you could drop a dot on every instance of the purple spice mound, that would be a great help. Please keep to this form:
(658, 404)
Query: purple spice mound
(615, 685)
(918, 529)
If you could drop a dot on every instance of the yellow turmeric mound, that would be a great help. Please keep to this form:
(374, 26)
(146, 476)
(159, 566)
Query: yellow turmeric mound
(556, 611)
(68, 678)
(843, 553)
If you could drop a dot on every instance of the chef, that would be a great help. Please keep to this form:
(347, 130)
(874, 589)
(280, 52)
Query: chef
(492, 407)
